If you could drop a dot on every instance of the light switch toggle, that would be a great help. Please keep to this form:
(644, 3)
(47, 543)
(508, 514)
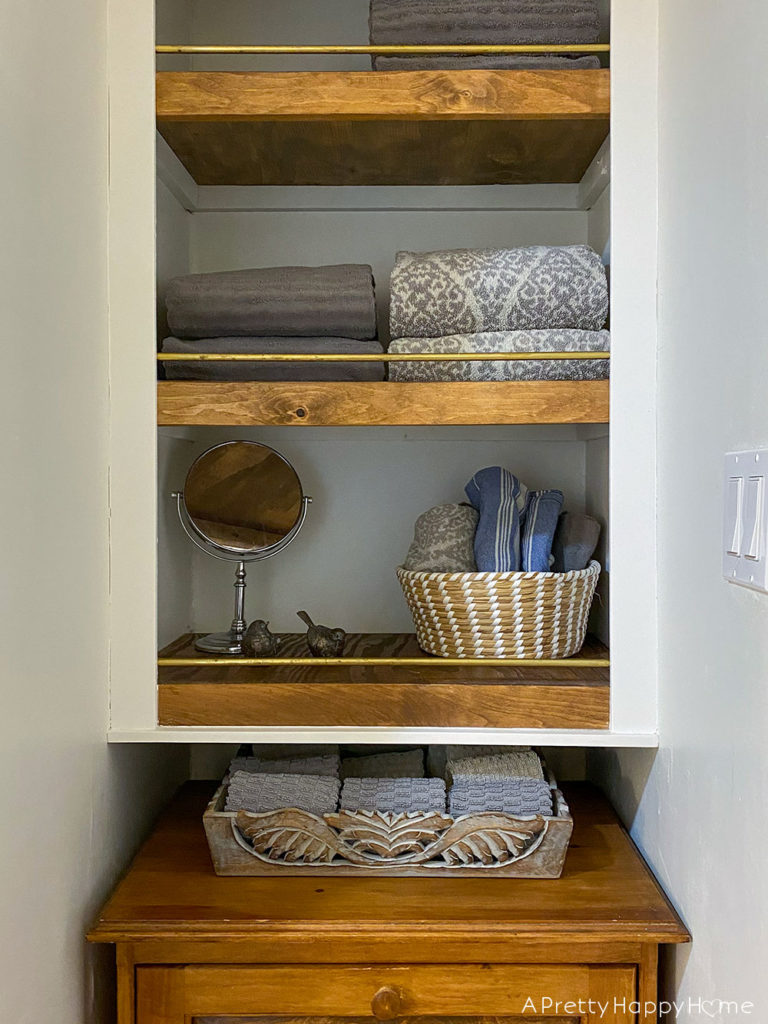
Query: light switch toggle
(745, 519)
(733, 517)
(753, 516)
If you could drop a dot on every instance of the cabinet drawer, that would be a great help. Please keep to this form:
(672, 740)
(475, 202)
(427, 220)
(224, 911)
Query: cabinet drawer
(317, 995)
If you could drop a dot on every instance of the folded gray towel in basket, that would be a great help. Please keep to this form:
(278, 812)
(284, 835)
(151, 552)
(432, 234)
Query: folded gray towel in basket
(405, 764)
(396, 795)
(470, 291)
(259, 793)
(326, 764)
(575, 541)
(334, 301)
(487, 61)
(438, 754)
(510, 764)
(491, 793)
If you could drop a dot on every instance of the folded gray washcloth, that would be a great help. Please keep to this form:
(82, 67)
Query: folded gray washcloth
(510, 764)
(259, 793)
(509, 796)
(566, 340)
(396, 795)
(450, 22)
(403, 764)
(488, 62)
(334, 301)
(439, 754)
(281, 751)
(444, 540)
(325, 764)
(575, 541)
(273, 371)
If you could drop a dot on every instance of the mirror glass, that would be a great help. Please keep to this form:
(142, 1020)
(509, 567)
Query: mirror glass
(243, 497)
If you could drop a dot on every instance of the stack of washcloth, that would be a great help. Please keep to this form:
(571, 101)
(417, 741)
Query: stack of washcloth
(274, 311)
(405, 764)
(451, 22)
(535, 299)
(396, 796)
(258, 784)
(509, 781)
(505, 528)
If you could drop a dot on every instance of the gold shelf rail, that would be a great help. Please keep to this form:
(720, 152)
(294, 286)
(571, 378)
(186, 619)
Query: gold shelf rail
(424, 662)
(384, 357)
(473, 49)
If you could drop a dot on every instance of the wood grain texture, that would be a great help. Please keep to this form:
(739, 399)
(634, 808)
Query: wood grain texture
(605, 895)
(379, 128)
(381, 403)
(515, 696)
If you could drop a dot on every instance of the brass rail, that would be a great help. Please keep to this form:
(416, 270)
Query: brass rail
(386, 50)
(423, 662)
(384, 357)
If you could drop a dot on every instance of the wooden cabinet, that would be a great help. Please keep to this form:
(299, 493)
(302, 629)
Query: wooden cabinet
(194, 948)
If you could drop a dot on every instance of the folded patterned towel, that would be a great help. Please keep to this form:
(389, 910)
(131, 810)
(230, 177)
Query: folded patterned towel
(489, 62)
(444, 540)
(334, 301)
(449, 22)
(259, 793)
(510, 764)
(468, 291)
(325, 764)
(438, 754)
(509, 796)
(500, 499)
(565, 340)
(396, 795)
(575, 541)
(542, 510)
(403, 764)
(273, 371)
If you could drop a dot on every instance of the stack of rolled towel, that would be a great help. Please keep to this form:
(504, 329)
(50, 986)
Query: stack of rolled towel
(535, 299)
(463, 780)
(505, 527)
(274, 311)
(451, 22)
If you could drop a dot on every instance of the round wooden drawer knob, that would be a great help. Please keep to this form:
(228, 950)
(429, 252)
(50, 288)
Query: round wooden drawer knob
(386, 1003)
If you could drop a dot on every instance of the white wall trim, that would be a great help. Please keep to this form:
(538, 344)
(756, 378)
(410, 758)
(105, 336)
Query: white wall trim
(597, 177)
(174, 175)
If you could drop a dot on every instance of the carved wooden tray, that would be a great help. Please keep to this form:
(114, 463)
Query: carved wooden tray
(293, 842)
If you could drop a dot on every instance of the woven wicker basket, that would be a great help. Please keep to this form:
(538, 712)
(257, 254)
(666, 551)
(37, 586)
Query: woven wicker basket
(500, 614)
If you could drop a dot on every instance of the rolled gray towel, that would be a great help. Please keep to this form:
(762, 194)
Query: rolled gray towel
(259, 793)
(510, 764)
(402, 764)
(472, 291)
(396, 795)
(575, 541)
(273, 371)
(505, 341)
(450, 22)
(334, 301)
(509, 796)
(326, 764)
(488, 62)
(443, 540)
(438, 755)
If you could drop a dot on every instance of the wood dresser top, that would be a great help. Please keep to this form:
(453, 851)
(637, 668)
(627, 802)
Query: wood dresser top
(171, 891)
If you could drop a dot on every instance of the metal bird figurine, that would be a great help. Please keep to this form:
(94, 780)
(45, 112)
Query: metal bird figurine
(258, 642)
(323, 642)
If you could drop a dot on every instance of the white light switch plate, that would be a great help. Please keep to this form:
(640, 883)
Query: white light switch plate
(745, 519)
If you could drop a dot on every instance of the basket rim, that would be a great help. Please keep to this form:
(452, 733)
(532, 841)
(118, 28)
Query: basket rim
(594, 568)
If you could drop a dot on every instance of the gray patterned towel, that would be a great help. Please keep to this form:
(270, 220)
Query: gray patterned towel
(273, 371)
(444, 540)
(403, 764)
(438, 754)
(334, 301)
(325, 764)
(471, 291)
(450, 22)
(488, 62)
(506, 341)
(396, 795)
(259, 793)
(510, 764)
(510, 796)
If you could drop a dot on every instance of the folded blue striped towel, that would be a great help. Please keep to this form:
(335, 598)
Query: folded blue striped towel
(500, 499)
(542, 510)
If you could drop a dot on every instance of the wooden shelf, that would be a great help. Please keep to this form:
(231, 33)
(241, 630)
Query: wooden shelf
(384, 128)
(381, 403)
(570, 695)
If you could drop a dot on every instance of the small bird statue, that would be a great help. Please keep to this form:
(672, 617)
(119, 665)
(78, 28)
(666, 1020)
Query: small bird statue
(323, 642)
(258, 642)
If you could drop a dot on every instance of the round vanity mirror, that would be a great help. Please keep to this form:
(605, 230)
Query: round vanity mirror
(242, 501)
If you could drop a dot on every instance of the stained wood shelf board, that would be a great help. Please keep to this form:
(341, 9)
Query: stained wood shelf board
(380, 403)
(384, 128)
(382, 696)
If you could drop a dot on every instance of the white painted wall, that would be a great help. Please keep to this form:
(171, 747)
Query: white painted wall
(55, 763)
(697, 810)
